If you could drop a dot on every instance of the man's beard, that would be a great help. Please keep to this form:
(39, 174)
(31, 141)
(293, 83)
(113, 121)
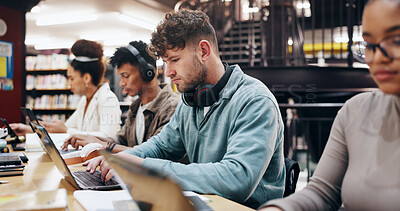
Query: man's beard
(196, 78)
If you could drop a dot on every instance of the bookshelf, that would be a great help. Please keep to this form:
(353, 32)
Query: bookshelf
(47, 92)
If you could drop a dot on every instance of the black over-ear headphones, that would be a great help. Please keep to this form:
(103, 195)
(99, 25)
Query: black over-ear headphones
(146, 70)
(207, 94)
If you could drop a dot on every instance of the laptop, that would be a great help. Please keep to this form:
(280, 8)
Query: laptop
(29, 115)
(79, 179)
(150, 189)
(57, 138)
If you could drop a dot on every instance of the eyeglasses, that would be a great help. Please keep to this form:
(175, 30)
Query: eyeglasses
(364, 52)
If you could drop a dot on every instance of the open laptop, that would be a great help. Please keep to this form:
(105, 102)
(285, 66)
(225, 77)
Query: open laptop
(150, 189)
(58, 138)
(29, 115)
(79, 179)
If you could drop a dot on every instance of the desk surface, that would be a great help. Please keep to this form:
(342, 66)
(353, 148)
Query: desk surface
(41, 174)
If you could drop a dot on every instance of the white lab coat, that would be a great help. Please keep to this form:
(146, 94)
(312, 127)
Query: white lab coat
(102, 117)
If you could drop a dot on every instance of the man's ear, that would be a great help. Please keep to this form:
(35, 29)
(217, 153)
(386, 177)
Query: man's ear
(205, 48)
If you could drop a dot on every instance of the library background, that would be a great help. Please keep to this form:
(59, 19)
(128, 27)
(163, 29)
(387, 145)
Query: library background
(298, 48)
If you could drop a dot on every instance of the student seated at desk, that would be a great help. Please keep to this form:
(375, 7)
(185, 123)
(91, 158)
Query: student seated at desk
(359, 166)
(98, 112)
(149, 113)
(230, 126)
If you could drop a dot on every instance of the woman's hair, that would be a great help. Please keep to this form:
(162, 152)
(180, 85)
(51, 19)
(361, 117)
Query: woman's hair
(91, 50)
(122, 55)
(182, 28)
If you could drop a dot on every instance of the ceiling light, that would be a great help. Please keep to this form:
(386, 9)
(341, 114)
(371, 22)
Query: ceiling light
(290, 41)
(64, 20)
(54, 45)
(34, 41)
(105, 36)
(303, 5)
(137, 22)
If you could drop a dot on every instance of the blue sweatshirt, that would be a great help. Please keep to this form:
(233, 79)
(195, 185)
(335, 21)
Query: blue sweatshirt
(235, 149)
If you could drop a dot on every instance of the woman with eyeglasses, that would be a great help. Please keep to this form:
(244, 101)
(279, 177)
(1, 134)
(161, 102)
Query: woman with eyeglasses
(360, 164)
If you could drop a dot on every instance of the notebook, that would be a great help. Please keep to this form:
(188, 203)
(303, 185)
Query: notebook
(79, 179)
(151, 189)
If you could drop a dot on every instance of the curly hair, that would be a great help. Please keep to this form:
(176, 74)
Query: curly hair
(91, 49)
(182, 28)
(122, 55)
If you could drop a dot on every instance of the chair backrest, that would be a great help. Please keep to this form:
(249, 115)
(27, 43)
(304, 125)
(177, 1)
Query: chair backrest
(292, 175)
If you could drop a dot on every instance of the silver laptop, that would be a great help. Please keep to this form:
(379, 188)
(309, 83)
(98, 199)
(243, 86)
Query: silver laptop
(150, 189)
(79, 179)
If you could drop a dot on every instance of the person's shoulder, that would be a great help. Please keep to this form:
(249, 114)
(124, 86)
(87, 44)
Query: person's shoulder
(105, 92)
(253, 87)
(366, 98)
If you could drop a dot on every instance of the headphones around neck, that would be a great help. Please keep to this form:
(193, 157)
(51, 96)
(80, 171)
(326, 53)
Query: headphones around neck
(146, 71)
(207, 94)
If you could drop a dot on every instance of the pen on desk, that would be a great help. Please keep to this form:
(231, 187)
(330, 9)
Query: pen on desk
(4, 182)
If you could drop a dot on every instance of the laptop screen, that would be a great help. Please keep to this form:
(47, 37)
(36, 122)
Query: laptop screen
(53, 152)
(29, 115)
(149, 186)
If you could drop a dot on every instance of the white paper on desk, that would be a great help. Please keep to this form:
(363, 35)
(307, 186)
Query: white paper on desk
(100, 200)
(191, 193)
(33, 141)
(93, 200)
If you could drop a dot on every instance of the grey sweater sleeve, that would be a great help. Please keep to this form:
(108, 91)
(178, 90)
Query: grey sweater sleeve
(324, 188)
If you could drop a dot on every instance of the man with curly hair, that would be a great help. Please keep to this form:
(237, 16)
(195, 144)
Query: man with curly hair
(229, 123)
(149, 113)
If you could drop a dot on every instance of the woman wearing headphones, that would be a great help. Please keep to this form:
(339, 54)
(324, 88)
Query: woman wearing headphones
(98, 112)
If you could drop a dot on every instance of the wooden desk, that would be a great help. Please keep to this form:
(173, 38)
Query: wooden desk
(41, 174)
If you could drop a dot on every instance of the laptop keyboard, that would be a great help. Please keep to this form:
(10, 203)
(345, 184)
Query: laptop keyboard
(92, 180)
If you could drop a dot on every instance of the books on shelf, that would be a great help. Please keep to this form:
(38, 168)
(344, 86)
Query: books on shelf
(61, 101)
(46, 82)
(51, 117)
(47, 62)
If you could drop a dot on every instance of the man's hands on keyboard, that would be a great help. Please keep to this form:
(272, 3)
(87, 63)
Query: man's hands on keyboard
(105, 168)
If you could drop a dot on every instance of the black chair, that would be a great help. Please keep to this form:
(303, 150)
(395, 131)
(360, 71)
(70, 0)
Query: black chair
(292, 175)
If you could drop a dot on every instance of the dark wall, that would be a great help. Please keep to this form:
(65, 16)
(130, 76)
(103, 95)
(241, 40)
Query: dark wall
(11, 101)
